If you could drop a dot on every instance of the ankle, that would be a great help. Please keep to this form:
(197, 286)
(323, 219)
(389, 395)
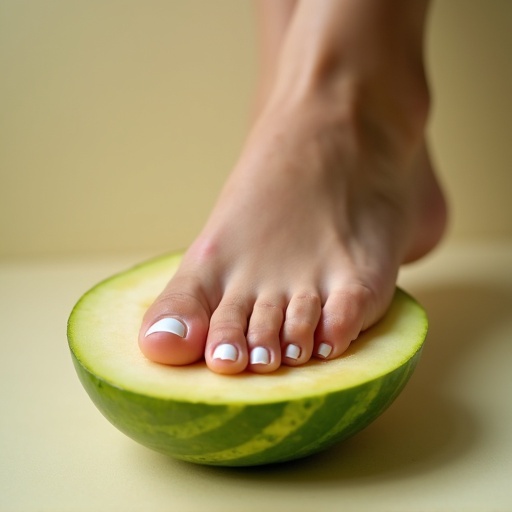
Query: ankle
(377, 74)
(393, 108)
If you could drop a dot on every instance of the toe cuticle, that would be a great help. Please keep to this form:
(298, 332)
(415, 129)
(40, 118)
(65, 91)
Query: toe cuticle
(292, 351)
(260, 355)
(168, 324)
(225, 352)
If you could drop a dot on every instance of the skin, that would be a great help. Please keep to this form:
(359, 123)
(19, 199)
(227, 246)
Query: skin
(333, 191)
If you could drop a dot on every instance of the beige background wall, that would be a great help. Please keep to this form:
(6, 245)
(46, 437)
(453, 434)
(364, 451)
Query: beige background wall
(119, 119)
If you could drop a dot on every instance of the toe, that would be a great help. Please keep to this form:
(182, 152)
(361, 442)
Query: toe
(343, 317)
(263, 335)
(226, 346)
(175, 326)
(297, 338)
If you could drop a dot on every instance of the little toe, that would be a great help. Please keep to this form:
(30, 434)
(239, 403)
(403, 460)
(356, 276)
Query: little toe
(263, 335)
(175, 326)
(343, 317)
(226, 346)
(297, 337)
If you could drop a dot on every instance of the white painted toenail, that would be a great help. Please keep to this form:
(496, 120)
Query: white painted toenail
(292, 351)
(171, 325)
(225, 352)
(260, 355)
(324, 350)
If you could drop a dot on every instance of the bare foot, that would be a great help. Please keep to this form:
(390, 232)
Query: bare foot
(333, 192)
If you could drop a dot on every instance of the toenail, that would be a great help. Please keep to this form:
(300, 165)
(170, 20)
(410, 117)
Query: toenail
(292, 351)
(324, 350)
(225, 352)
(260, 355)
(171, 325)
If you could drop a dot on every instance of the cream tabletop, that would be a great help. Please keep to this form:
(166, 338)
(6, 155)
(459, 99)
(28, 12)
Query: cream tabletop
(444, 445)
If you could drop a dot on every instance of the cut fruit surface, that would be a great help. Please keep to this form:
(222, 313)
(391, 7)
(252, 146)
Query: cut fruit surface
(194, 414)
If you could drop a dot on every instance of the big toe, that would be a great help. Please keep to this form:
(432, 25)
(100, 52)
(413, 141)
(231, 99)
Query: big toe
(175, 326)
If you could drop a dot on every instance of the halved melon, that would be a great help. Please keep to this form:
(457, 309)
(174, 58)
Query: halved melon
(196, 415)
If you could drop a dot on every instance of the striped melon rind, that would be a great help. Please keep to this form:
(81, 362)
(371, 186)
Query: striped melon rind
(193, 414)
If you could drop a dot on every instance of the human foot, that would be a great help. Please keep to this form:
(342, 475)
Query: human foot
(334, 190)
(301, 252)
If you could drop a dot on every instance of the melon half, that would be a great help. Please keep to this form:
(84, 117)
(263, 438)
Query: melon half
(196, 415)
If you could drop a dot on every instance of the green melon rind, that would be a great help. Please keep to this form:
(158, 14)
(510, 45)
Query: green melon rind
(245, 435)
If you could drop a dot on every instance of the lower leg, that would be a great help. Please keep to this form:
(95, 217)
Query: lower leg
(273, 22)
(332, 188)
